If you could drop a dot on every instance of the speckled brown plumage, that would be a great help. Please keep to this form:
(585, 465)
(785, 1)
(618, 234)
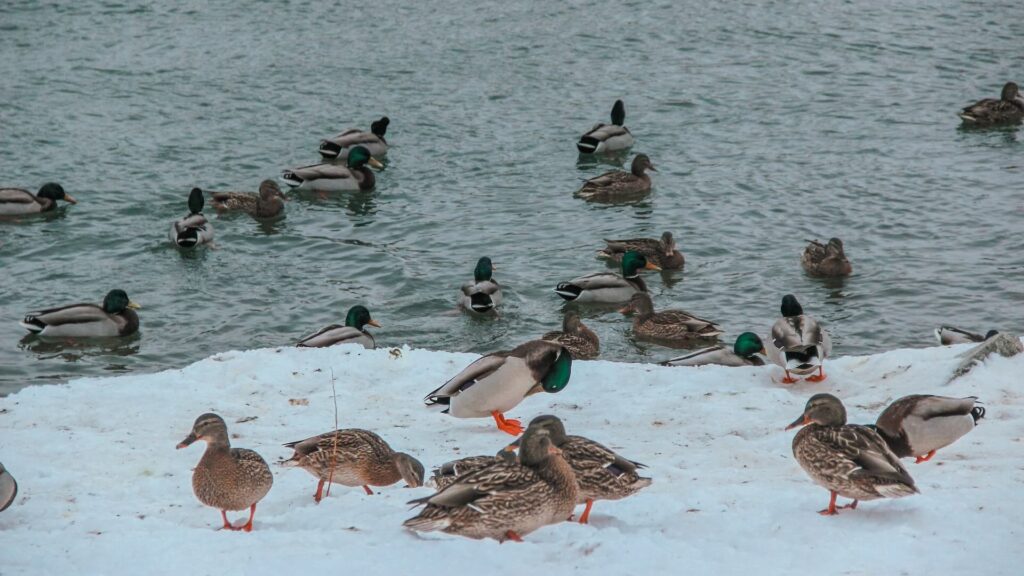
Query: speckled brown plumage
(268, 203)
(667, 325)
(579, 340)
(662, 251)
(827, 260)
(619, 186)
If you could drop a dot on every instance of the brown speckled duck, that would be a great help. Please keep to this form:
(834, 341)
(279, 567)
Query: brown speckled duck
(18, 201)
(447, 473)
(662, 251)
(667, 325)
(268, 203)
(1009, 108)
(920, 424)
(826, 260)
(616, 186)
(579, 340)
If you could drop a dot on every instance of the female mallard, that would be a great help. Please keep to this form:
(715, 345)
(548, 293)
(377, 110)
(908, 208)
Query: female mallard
(919, 424)
(339, 146)
(335, 178)
(579, 340)
(662, 251)
(498, 382)
(268, 203)
(447, 473)
(8, 488)
(667, 325)
(351, 333)
(826, 259)
(227, 478)
(1008, 109)
(618, 185)
(17, 201)
(743, 353)
(608, 138)
(798, 344)
(194, 229)
(947, 335)
(353, 457)
(116, 317)
(608, 287)
(483, 294)
(848, 460)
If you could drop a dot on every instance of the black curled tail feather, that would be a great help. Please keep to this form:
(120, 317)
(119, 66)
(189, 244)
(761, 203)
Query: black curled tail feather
(978, 412)
(481, 302)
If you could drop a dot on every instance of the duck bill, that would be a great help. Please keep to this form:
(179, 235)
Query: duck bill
(651, 167)
(133, 305)
(69, 198)
(625, 311)
(651, 266)
(803, 420)
(187, 441)
(375, 163)
(374, 323)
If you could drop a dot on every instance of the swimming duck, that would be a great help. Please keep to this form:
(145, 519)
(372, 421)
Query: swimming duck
(268, 203)
(826, 259)
(608, 287)
(17, 201)
(194, 229)
(606, 138)
(743, 353)
(662, 252)
(483, 294)
(8, 488)
(227, 478)
(618, 185)
(669, 325)
(919, 424)
(1008, 109)
(116, 317)
(498, 382)
(579, 340)
(339, 146)
(947, 335)
(333, 177)
(848, 460)
(798, 344)
(353, 457)
(351, 333)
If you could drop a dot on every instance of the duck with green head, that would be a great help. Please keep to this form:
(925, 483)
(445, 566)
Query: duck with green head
(483, 294)
(609, 287)
(338, 148)
(116, 317)
(351, 333)
(194, 229)
(743, 353)
(608, 138)
(798, 344)
(18, 201)
(336, 178)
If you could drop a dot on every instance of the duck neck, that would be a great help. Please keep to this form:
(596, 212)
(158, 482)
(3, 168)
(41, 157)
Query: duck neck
(368, 180)
(555, 470)
(637, 281)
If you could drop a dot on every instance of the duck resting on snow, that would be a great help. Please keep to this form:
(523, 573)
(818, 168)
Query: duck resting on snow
(920, 424)
(798, 344)
(743, 353)
(353, 332)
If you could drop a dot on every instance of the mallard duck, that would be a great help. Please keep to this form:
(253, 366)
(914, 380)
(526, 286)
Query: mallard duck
(1008, 109)
(447, 473)
(798, 344)
(194, 229)
(507, 500)
(268, 203)
(608, 287)
(333, 177)
(351, 333)
(353, 457)
(668, 325)
(227, 478)
(498, 382)
(848, 460)
(662, 251)
(947, 335)
(579, 340)
(826, 259)
(483, 294)
(608, 138)
(339, 146)
(8, 488)
(743, 353)
(919, 424)
(17, 201)
(618, 185)
(116, 317)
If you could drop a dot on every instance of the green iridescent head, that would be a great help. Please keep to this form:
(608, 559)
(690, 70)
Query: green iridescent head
(618, 113)
(632, 262)
(748, 344)
(196, 201)
(359, 316)
(116, 301)
(557, 377)
(484, 270)
(359, 156)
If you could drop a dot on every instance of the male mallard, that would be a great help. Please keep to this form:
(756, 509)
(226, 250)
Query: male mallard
(668, 325)
(351, 333)
(797, 343)
(17, 201)
(116, 317)
(618, 185)
(947, 335)
(353, 457)
(662, 252)
(848, 460)
(579, 340)
(826, 259)
(339, 146)
(743, 353)
(607, 138)
(483, 294)
(498, 382)
(227, 478)
(919, 424)
(608, 287)
(268, 203)
(334, 177)
(8, 488)
(193, 229)
(1008, 109)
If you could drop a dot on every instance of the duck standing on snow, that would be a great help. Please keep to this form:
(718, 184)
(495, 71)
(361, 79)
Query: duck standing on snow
(8, 488)
(608, 138)
(483, 294)
(619, 186)
(608, 287)
(194, 229)
(579, 340)
(743, 353)
(336, 178)
(798, 344)
(352, 332)
(827, 260)
(989, 112)
(18, 201)
(947, 335)
(339, 146)
(848, 460)
(268, 203)
(667, 325)
(116, 317)
(662, 251)
(919, 424)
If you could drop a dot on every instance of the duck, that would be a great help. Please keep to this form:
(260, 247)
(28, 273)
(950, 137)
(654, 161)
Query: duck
(447, 473)
(1007, 110)
(608, 138)
(798, 344)
(848, 460)
(667, 325)
(18, 201)
(8, 488)
(744, 352)
(504, 501)
(921, 424)
(334, 177)
(608, 287)
(227, 478)
(483, 294)
(116, 317)
(499, 381)
(353, 457)
(353, 332)
(827, 260)
(194, 229)
(579, 340)
(268, 203)
(947, 335)
(339, 146)
(618, 185)
(662, 251)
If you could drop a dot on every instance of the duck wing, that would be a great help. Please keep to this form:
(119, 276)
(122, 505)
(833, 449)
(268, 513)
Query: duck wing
(478, 370)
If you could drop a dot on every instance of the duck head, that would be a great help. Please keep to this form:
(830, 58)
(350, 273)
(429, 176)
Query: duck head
(790, 306)
(632, 262)
(748, 344)
(359, 316)
(1010, 92)
(557, 377)
(270, 190)
(359, 156)
(380, 127)
(116, 301)
(196, 201)
(668, 242)
(55, 192)
(484, 270)
(640, 163)
(823, 409)
(618, 113)
(210, 428)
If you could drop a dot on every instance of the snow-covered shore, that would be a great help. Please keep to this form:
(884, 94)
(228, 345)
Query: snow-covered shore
(103, 491)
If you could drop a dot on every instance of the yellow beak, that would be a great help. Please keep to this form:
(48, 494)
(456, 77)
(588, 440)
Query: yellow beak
(133, 305)
(374, 323)
(650, 266)
(375, 163)
(68, 198)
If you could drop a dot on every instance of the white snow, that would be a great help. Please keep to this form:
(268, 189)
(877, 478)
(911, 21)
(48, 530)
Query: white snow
(103, 490)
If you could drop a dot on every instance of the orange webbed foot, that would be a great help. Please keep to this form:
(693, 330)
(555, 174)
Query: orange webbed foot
(819, 377)
(585, 518)
(511, 535)
(924, 458)
(507, 425)
(368, 491)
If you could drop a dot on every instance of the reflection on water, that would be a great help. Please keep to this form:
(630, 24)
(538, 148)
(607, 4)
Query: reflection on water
(75, 349)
